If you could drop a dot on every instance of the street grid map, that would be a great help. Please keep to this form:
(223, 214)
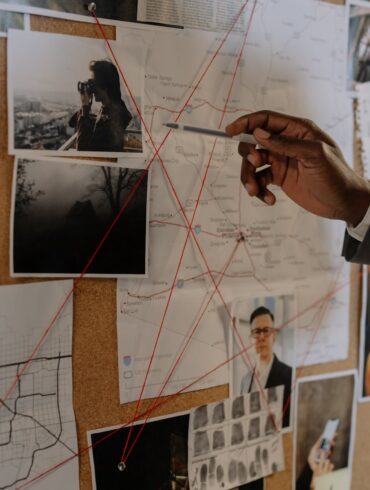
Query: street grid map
(37, 425)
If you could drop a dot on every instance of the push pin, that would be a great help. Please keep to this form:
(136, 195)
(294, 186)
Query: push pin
(241, 238)
(91, 7)
(121, 466)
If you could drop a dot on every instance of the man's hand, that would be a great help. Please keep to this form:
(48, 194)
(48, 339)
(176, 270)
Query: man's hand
(304, 161)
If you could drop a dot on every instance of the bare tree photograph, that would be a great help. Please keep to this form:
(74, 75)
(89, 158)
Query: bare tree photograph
(77, 107)
(63, 209)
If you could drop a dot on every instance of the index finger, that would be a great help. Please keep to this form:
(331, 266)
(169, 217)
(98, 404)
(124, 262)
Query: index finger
(278, 123)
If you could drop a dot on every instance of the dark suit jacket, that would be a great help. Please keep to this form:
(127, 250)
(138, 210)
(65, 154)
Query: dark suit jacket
(280, 374)
(355, 251)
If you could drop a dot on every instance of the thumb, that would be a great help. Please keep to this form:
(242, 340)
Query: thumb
(288, 146)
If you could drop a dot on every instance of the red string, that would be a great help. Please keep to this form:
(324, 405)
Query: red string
(164, 401)
(189, 225)
(152, 406)
(168, 300)
(124, 456)
(77, 281)
(93, 256)
(124, 206)
(321, 316)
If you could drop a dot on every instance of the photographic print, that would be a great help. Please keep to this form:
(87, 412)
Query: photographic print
(76, 107)
(264, 329)
(237, 448)
(10, 20)
(325, 425)
(111, 11)
(62, 209)
(159, 460)
(364, 354)
(358, 50)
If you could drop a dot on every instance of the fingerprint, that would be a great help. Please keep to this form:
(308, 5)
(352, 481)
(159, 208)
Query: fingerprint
(242, 472)
(218, 439)
(238, 408)
(237, 435)
(200, 417)
(218, 413)
(232, 473)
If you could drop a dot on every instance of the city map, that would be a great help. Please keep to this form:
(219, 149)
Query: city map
(289, 58)
(37, 424)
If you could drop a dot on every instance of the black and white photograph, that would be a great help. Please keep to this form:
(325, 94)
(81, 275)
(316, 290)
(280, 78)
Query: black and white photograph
(109, 10)
(159, 460)
(78, 107)
(266, 330)
(358, 50)
(238, 447)
(364, 354)
(325, 411)
(10, 20)
(62, 209)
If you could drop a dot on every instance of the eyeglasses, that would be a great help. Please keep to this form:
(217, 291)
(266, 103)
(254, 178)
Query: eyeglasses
(265, 331)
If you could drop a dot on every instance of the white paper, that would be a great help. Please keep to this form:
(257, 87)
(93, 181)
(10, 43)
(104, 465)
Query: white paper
(43, 96)
(37, 421)
(215, 15)
(236, 441)
(139, 320)
(294, 62)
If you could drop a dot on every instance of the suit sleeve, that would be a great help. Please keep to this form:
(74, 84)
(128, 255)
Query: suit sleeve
(355, 251)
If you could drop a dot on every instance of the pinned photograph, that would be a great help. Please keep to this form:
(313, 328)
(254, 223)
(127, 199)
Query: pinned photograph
(364, 354)
(78, 107)
(267, 335)
(109, 10)
(62, 209)
(323, 439)
(10, 20)
(358, 53)
(159, 460)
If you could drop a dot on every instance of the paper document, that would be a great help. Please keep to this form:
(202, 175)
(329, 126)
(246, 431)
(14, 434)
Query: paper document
(236, 441)
(215, 15)
(38, 428)
(237, 243)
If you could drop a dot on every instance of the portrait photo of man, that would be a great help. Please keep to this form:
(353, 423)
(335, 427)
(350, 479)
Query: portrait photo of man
(269, 350)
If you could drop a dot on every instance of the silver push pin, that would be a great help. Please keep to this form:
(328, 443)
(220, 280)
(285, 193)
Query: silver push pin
(91, 7)
(121, 466)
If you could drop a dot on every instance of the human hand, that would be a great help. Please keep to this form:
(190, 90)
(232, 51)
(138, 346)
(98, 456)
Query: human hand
(304, 161)
(317, 464)
(86, 99)
(322, 466)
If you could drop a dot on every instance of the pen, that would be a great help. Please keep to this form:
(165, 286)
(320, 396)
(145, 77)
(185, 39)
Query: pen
(243, 137)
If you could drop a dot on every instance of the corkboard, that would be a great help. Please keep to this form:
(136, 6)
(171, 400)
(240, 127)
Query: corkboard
(95, 380)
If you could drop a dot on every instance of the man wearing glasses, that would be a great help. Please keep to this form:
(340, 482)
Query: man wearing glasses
(269, 371)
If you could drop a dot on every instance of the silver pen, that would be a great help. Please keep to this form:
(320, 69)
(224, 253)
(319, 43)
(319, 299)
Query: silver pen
(217, 133)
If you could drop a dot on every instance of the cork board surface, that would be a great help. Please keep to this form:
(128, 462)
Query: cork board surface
(95, 380)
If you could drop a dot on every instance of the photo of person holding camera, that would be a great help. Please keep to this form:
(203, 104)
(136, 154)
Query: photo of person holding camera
(102, 131)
